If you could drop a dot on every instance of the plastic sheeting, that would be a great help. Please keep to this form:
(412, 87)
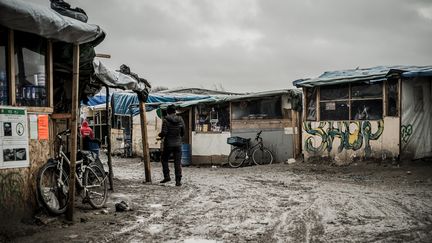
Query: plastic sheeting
(116, 79)
(125, 103)
(43, 21)
(373, 74)
(416, 127)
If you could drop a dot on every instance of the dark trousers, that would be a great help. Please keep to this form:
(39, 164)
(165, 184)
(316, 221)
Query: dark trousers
(177, 153)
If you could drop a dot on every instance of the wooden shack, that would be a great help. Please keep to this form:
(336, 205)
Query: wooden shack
(36, 80)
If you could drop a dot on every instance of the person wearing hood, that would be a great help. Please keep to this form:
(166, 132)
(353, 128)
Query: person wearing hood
(86, 134)
(173, 129)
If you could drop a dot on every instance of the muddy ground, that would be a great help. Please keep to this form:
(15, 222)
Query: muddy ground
(276, 203)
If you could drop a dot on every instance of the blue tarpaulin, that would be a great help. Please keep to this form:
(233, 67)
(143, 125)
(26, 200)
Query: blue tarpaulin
(124, 103)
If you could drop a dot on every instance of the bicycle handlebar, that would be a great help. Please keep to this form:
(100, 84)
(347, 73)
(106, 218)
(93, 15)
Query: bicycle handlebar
(258, 136)
(65, 132)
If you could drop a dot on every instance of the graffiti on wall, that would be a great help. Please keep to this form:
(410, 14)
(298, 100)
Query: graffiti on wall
(406, 131)
(11, 191)
(353, 135)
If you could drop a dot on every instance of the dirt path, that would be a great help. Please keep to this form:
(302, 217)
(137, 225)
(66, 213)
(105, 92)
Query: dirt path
(277, 203)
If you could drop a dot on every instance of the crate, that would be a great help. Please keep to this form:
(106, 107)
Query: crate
(237, 141)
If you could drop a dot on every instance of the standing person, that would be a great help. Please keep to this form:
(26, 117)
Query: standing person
(173, 128)
(86, 134)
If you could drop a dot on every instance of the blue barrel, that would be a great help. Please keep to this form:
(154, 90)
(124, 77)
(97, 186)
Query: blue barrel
(186, 157)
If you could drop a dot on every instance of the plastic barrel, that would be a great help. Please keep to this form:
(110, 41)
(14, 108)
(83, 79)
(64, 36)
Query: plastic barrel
(186, 155)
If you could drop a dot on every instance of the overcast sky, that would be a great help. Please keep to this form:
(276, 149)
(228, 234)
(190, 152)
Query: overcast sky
(252, 45)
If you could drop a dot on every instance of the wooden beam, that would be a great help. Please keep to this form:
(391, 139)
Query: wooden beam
(11, 73)
(108, 125)
(74, 131)
(101, 55)
(50, 77)
(146, 156)
(61, 116)
(40, 109)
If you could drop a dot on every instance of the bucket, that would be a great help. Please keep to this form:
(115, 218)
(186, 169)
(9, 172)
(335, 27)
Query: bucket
(186, 155)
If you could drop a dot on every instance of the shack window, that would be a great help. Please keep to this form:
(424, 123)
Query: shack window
(334, 110)
(212, 118)
(334, 92)
(334, 103)
(30, 60)
(366, 90)
(4, 84)
(392, 97)
(268, 108)
(366, 101)
(359, 101)
(366, 109)
(311, 96)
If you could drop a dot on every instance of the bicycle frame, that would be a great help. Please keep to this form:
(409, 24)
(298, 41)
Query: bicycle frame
(62, 156)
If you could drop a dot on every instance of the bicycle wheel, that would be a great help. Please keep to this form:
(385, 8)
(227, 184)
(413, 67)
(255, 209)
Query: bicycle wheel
(262, 156)
(95, 182)
(236, 157)
(53, 190)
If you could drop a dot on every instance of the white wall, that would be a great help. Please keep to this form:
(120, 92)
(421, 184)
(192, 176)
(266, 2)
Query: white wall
(346, 141)
(210, 143)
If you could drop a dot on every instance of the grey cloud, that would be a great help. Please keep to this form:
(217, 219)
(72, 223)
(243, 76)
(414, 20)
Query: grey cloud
(170, 42)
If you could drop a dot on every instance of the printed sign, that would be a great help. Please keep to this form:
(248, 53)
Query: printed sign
(43, 133)
(14, 149)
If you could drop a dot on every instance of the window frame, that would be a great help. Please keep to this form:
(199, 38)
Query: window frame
(383, 98)
(11, 67)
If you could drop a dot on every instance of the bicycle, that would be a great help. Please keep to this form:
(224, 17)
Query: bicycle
(53, 179)
(243, 151)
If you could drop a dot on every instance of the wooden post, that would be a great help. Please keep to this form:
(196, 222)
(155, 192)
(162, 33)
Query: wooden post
(11, 73)
(74, 131)
(146, 156)
(108, 126)
(50, 77)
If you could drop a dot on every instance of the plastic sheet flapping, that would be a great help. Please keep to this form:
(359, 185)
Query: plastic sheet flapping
(117, 79)
(44, 21)
(416, 127)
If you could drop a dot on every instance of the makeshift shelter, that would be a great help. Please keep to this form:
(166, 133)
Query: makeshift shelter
(211, 118)
(46, 68)
(381, 113)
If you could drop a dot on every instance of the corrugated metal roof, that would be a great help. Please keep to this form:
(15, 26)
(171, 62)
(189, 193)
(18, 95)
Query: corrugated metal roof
(374, 74)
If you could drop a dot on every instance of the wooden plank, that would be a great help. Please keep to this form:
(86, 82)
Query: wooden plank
(11, 73)
(107, 120)
(190, 128)
(59, 116)
(49, 77)
(101, 55)
(318, 98)
(400, 115)
(385, 95)
(74, 131)
(146, 156)
(40, 109)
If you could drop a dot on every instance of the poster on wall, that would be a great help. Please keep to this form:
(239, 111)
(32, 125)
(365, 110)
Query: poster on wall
(43, 131)
(14, 148)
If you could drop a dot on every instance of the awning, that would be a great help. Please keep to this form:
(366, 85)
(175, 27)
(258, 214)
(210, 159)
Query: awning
(43, 21)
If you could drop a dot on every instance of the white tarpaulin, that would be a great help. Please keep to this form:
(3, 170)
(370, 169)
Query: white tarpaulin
(416, 127)
(43, 21)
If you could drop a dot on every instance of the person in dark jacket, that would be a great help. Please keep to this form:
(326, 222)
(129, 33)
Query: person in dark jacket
(173, 129)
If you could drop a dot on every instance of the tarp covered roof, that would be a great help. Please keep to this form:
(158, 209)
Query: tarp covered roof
(123, 100)
(33, 18)
(374, 74)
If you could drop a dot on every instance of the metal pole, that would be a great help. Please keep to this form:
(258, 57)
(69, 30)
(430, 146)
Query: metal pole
(74, 131)
(108, 125)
